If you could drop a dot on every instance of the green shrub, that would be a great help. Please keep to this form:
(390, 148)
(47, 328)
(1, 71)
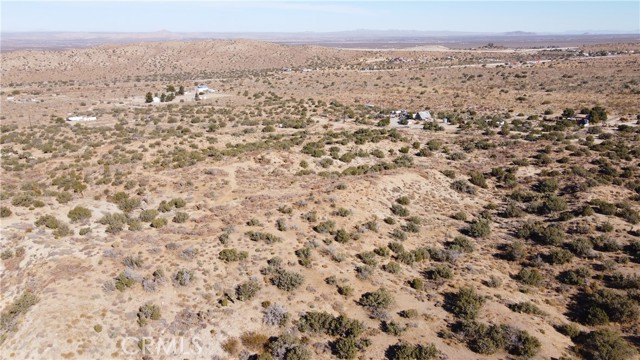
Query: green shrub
(123, 281)
(115, 222)
(48, 221)
(5, 212)
(477, 178)
(560, 256)
(440, 272)
(465, 304)
(79, 213)
(416, 283)
(247, 290)
(605, 344)
(530, 276)
(479, 228)
(183, 277)
(526, 307)
(230, 255)
(148, 312)
(577, 276)
(379, 299)
(159, 223)
(463, 186)
(287, 281)
(261, 236)
(399, 210)
(515, 251)
(342, 236)
(180, 217)
(148, 215)
(392, 267)
(405, 351)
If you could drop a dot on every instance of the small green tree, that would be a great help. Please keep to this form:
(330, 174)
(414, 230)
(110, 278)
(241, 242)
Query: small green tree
(148, 98)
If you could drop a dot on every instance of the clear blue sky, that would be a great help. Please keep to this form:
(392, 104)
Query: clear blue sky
(298, 16)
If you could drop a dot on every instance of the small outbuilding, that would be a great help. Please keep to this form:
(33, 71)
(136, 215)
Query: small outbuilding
(423, 115)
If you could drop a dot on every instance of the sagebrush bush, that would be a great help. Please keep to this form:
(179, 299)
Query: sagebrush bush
(247, 290)
(287, 280)
(465, 304)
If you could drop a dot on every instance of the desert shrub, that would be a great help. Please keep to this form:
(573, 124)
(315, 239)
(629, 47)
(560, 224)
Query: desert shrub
(288, 347)
(261, 236)
(416, 283)
(462, 244)
(159, 223)
(177, 203)
(530, 276)
(342, 236)
(515, 251)
(310, 216)
(148, 312)
(183, 277)
(399, 210)
(465, 304)
(550, 204)
(605, 305)
(124, 281)
(398, 234)
(24, 200)
(304, 256)
(405, 351)
(548, 185)
(5, 212)
(479, 228)
(577, 276)
(231, 346)
(520, 343)
(488, 340)
(230, 255)
(463, 186)
(11, 313)
(460, 215)
(409, 313)
(621, 281)
(392, 267)
(180, 217)
(605, 344)
(581, 247)
(440, 272)
(79, 213)
(346, 348)
(493, 282)
(148, 215)
(281, 224)
(550, 235)
(403, 200)
(512, 211)
(287, 280)
(345, 290)
(132, 262)
(247, 290)
(254, 341)
(48, 221)
(254, 222)
(275, 315)
(379, 299)
(325, 227)
(560, 256)
(569, 330)
(526, 307)
(115, 222)
(368, 257)
(477, 178)
(392, 328)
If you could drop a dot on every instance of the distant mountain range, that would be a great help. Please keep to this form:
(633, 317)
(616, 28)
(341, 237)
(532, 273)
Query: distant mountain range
(52, 40)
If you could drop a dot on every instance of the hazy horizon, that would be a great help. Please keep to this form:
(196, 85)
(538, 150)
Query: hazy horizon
(542, 17)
